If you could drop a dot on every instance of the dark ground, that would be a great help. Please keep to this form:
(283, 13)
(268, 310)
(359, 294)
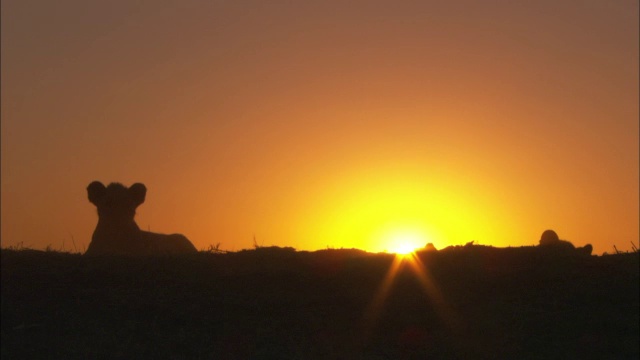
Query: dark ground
(514, 303)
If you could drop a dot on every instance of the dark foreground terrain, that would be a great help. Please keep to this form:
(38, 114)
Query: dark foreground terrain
(474, 302)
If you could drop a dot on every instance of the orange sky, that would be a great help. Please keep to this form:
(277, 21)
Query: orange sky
(315, 124)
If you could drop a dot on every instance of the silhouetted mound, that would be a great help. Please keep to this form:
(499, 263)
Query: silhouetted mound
(460, 302)
(430, 247)
(549, 237)
(118, 234)
(550, 241)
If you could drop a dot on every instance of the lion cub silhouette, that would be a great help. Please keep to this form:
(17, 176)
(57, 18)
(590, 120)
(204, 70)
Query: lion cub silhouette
(549, 240)
(118, 234)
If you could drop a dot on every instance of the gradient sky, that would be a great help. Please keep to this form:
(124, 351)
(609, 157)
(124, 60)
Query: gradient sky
(317, 124)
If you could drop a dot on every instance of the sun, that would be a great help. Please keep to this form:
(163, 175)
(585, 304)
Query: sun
(404, 248)
(406, 242)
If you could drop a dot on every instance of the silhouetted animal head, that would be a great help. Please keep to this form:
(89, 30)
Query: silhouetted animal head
(549, 237)
(549, 240)
(116, 203)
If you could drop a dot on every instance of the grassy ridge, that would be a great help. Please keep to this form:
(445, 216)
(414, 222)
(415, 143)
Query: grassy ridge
(278, 303)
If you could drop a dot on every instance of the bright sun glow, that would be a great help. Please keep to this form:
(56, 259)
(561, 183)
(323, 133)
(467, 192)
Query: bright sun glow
(404, 248)
(404, 243)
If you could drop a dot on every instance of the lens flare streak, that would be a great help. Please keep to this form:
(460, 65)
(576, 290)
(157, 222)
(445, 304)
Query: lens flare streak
(427, 284)
(430, 288)
(375, 307)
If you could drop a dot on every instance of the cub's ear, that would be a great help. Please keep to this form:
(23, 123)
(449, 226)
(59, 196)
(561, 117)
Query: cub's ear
(138, 192)
(96, 191)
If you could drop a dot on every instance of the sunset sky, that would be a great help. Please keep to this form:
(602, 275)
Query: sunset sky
(315, 124)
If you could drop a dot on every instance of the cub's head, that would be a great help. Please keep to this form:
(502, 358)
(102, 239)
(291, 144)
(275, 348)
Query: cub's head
(549, 237)
(116, 203)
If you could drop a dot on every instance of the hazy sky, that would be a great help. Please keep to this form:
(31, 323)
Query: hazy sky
(324, 123)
